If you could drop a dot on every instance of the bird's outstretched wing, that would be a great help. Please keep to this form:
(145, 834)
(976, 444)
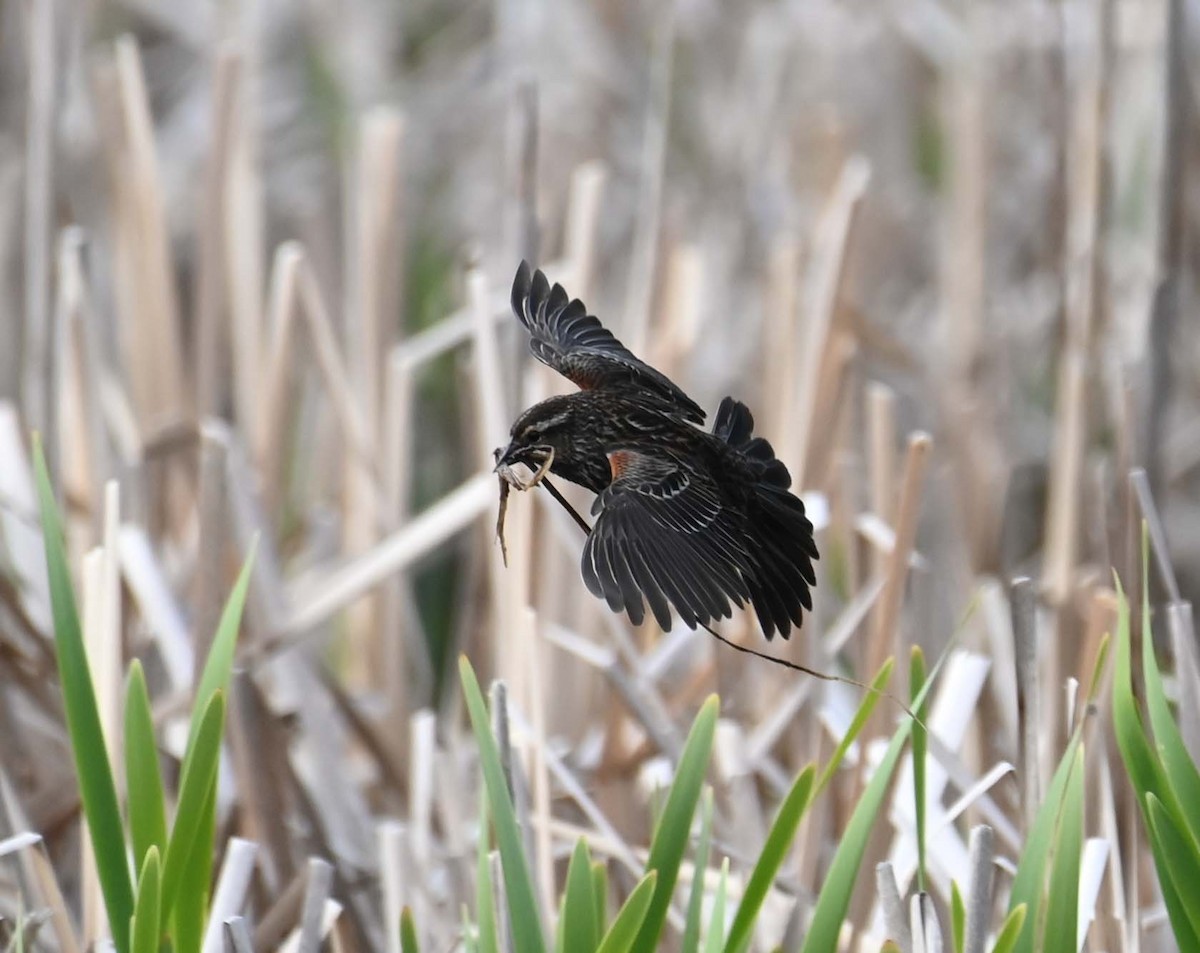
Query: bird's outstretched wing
(565, 337)
(666, 536)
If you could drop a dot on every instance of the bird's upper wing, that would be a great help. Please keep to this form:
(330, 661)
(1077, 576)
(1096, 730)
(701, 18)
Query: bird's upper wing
(565, 337)
(664, 532)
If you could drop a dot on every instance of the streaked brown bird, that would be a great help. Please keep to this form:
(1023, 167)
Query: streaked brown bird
(685, 518)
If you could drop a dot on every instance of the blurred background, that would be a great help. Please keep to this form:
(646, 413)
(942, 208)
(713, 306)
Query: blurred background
(254, 262)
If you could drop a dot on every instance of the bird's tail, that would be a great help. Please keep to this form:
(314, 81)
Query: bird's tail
(781, 533)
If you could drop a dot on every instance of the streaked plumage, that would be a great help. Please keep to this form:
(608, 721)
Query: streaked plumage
(686, 519)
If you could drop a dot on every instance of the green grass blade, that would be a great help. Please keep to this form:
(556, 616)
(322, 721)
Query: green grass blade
(774, 851)
(1011, 930)
(195, 790)
(408, 933)
(1178, 769)
(578, 922)
(834, 898)
(97, 789)
(958, 917)
(146, 926)
(1062, 901)
(599, 898)
(716, 923)
(671, 836)
(628, 921)
(1146, 773)
(219, 665)
(485, 910)
(191, 908)
(1030, 879)
(920, 742)
(143, 782)
(865, 709)
(518, 884)
(1179, 859)
(692, 925)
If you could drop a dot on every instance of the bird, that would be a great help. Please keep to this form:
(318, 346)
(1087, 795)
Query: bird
(686, 519)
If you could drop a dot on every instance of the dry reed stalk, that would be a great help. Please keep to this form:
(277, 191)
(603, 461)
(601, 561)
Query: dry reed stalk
(393, 850)
(262, 803)
(371, 293)
(646, 233)
(1083, 219)
(583, 219)
(245, 236)
(780, 346)
(146, 286)
(404, 642)
(818, 299)
(335, 376)
(886, 634)
(229, 895)
(76, 427)
(452, 513)
(281, 317)
(210, 261)
(37, 382)
(539, 774)
(212, 521)
(522, 236)
(1023, 600)
(682, 309)
(421, 788)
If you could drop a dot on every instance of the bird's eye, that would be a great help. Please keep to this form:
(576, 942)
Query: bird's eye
(530, 432)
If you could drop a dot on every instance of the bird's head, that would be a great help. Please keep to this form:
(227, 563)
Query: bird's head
(541, 433)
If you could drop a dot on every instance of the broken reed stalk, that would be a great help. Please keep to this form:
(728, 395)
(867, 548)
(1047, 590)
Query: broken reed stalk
(210, 259)
(146, 285)
(583, 218)
(884, 641)
(38, 376)
(817, 300)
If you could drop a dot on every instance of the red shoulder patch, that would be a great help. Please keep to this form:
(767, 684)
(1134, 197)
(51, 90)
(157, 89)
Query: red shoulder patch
(619, 461)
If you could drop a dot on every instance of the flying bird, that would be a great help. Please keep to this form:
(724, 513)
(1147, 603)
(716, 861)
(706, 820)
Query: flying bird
(687, 519)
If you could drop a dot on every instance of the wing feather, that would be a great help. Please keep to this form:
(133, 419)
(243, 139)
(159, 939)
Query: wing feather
(565, 337)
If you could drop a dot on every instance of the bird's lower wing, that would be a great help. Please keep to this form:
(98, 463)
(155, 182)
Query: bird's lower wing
(665, 537)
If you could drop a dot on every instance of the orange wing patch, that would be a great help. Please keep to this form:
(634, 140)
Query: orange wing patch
(619, 461)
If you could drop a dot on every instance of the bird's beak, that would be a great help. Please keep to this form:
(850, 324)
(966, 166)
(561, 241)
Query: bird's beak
(506, 456)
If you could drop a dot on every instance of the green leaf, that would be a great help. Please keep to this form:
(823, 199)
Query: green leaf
(834, 898)
(146, 925)
(408, 932)
(197, 781)
(958, 917)
(485, 909)
(1179, 859)
(97, 789)
(774, 851)
(1146, 774)
(191, 908)
(916, 680)
(716, 923)
(692, 925)
(857, 723)
(1030, 878)
(600, 898)
(1010, 931)
(671, 836)
(1062, 902)
(219, 665)
(1177, 765)
(578, 923)
(628, 921)
(522, 904)
(143, 782)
